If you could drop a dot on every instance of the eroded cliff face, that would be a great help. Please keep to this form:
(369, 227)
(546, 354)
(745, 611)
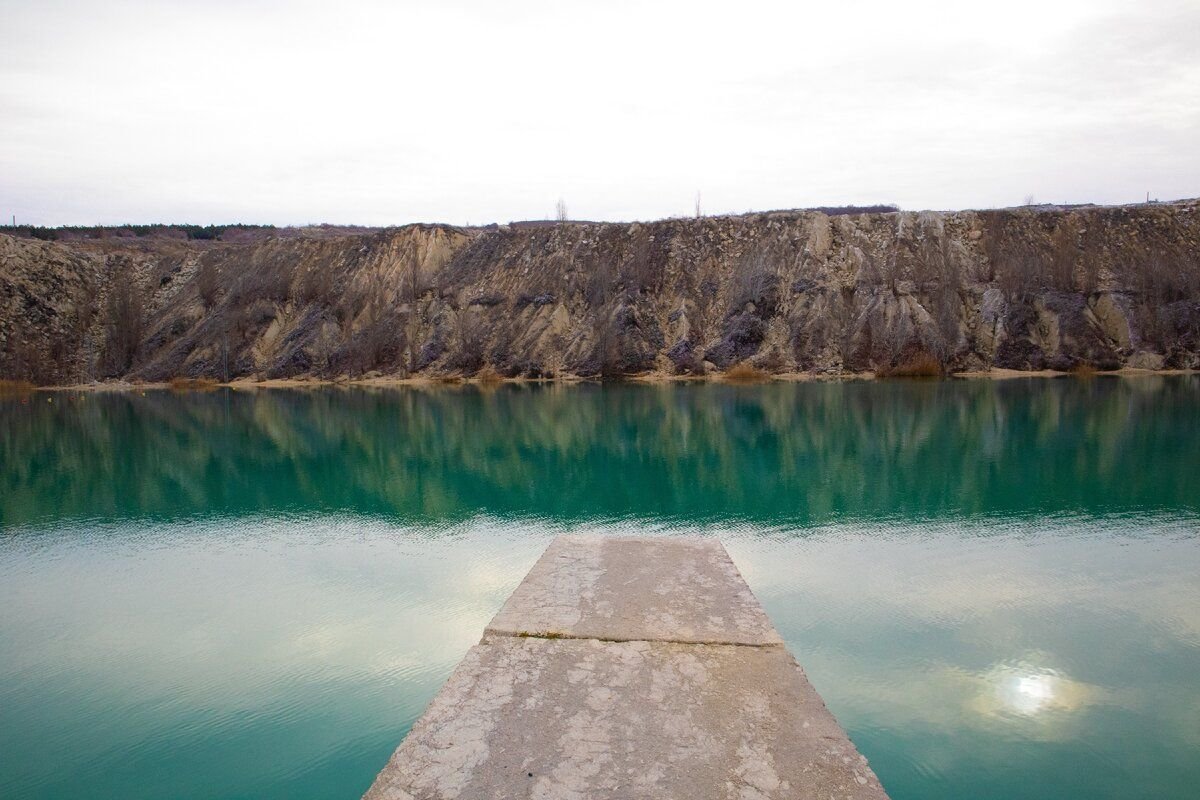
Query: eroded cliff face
(783, 291)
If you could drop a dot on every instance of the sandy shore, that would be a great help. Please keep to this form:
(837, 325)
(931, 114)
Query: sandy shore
(1123, 372)
(249, 384)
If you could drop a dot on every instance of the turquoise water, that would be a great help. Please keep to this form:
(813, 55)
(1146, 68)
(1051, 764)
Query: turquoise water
(994, 585)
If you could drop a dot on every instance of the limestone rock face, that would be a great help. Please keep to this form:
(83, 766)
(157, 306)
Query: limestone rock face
(1036, 288)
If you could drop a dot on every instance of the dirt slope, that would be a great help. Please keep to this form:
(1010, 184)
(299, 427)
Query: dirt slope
(785, 291)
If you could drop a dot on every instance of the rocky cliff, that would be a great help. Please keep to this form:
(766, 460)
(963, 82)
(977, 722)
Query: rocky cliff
(1028, 288)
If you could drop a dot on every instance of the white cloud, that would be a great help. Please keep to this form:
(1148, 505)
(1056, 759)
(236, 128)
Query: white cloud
(384, 113)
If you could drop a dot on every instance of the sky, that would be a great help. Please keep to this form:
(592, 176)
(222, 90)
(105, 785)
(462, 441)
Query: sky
(466, 111)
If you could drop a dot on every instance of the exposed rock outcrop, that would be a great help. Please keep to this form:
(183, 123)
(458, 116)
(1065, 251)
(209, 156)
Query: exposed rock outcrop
(785, 291)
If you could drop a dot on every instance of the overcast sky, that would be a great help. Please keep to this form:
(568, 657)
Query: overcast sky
(463, 111)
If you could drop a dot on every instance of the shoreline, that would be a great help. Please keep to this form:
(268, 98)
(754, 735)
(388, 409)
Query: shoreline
(650, 379)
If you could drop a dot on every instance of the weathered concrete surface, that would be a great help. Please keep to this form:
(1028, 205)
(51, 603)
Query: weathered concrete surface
(607, 704)
(656, 590)
(524, 717)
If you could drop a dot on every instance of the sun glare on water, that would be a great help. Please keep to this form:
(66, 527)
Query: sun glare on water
(1026, 690)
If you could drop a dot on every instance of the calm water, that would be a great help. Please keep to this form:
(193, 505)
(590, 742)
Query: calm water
(994, 585)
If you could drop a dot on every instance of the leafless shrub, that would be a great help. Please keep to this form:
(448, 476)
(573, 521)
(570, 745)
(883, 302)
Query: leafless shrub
(755, 281)
(645, 262)
(21, 358)
(699, 318)
(315, 284)
(182, 384)
(470, 339)
(1030, 252)
(1162, 276)
(124, 322)
(375, 340)
(79, 343)
(937, 273)
(259, 313)
(601, 283)
(560, 210)
(486, 300)
(412, 289)
(744, 372)
(537, 300)
(935, 262)
(208, 283)
(917, 365)
(323, 348)
(8, 387)
(1064, 254)
(844, 322)
(606, 338)
(488, 375)
(268, 279)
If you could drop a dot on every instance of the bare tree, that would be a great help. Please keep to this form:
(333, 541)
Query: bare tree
(560, 210)
(755, 281)
(376, 339)
(125, 318)
(323, 347)
(412, 321)
(208, 283)
(316, 283)
(470, 338)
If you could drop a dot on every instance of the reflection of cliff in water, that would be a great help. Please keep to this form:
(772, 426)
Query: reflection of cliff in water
(782, 453)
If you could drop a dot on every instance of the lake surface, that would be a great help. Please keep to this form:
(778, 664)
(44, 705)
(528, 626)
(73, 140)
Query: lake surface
(995, 585)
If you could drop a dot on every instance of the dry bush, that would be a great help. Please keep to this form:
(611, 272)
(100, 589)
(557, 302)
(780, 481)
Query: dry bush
(124, 323)
(15, 387)
(744, 372)
(1014, 254)
(413, 286)
(262, 280)
(945, 300)
(918, 365)
(315, 284)
(1064, 253)
(645, 263)
(22, 358)
(470, 340)
(208, 284)
(755, 281)
(606, 338)
(1161, 275)
(182, 384)
(601, 283)
(373, 337)
(1084, 369)
(489, 375)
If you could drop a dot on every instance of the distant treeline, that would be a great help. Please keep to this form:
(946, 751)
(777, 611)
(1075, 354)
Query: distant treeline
(834, 211)
(212, 232)
(128, 231)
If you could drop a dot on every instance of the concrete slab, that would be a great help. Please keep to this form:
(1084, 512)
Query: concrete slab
(644, 589)
(561, 718)
(628, 668)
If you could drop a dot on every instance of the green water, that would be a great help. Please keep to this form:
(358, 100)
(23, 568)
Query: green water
(994, 585)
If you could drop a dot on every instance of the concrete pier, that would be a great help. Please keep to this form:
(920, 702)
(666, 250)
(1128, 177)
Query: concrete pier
(628, 668)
